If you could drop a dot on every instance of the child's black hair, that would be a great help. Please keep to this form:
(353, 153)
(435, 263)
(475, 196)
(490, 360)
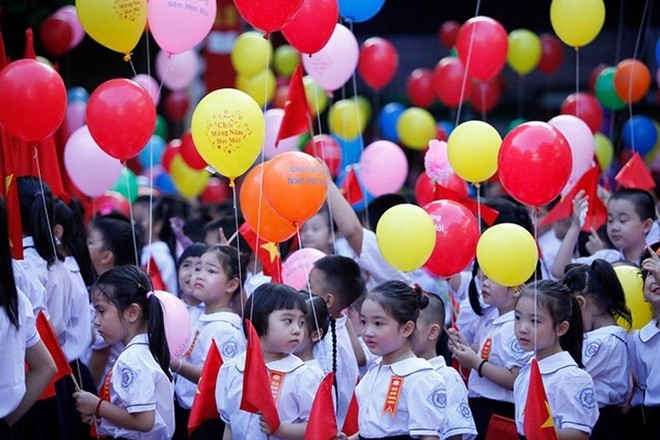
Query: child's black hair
(8, 291)
(37, 212)
(399, 300)
(268, 298)
(73, 237)
(126, 285)
(599, 281)
(228, 258)
(194, 250)
(561, 305)
(345, 277)
(642, 200)
(117, 232)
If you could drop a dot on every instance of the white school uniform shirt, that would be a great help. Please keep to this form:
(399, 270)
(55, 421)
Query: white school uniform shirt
(605, 357)
(294, 399)
(138, 384)
(472, 326)
(609, 255)
(505, 351)
(644, 349)
(459, 417)
(79, 325)
(165, 262)
(347, 367)
(14, 343)
(26, 279)
(421, 399)
(223, 327)
(549, 245)
(569, 389)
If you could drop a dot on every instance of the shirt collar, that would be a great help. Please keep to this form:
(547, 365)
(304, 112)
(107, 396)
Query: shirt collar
(555, 362)
(286, 365)
(438, 362)
(508, 316)
(649, 330)
(229, 317)
(28, 242)
(141, 338)
(408, 366)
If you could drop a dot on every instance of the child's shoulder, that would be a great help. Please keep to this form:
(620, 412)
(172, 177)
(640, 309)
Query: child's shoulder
(645, 335)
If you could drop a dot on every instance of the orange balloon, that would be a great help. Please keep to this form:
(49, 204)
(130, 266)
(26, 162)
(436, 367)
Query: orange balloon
(296, 185)
(268, 224)
(632, 80)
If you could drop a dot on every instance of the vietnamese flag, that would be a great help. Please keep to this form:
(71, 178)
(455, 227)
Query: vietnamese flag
(296, 109)
(635, 174)
(322, 423)
(266, 251)
(155, 276)
(538, 423)
(204, 405)
(47, 335)
(350, 187)
(256, 398)
(351, 420)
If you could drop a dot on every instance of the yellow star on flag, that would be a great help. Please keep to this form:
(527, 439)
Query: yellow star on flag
(271, 248)
(8, 180)
(548, 423)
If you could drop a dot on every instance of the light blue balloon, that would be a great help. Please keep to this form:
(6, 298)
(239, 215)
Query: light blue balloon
(641, 129)
(75, 94)
(164, 184)
(359, 10)
(155, 146)
(351, 150)
(387, 119)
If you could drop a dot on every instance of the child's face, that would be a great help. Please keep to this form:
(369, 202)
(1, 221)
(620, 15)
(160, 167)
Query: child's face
(380, 331)
(97, 251)
(624, 226)
(108, 320)
(496, 295)
(652, 291)
(210, 283)
(315, 233)
(285, 331)
(186, 271)
(535, 326)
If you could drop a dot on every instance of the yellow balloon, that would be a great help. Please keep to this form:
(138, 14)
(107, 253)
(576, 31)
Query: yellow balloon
(577, 22)
(251, 53)
(604, 150)
(416, 127)
(472, 149)
(317, 98)
(507, 254)
(228, 129)
(285, 60)
(524, 51)
(116, 24)
(261, 87)
(188, 181)
(345, 119)
(631, 280)
(406, 236)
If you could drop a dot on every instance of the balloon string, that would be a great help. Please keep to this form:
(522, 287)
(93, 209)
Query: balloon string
(630, 76)
(148, 51)
(483, 102)
(536, 293)
(363, 188)
(577, 78)
(130, 61)
(477, 186)
(467, 65)
(162, 81)
(130, 212)
(238, 251)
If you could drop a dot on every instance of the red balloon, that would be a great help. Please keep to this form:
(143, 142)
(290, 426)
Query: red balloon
(312, 26)
(327, 148)
(378, 63)
(593, 76)
(176, 106)
(258, 213)
(425, 187)
(56, 35)
(216, 191)
(268, 15)
(457, 234)
(485, 42)
(552, 54)
(111, 201)
(485, 95)
(189, 153)
(448, 32)
(121, 117)
(586, 107)
(534, 163)
(33, 100)
(173, 150)
(448, 77)
(419, 88)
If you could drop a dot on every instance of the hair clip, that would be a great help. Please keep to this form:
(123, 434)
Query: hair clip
(149, 293)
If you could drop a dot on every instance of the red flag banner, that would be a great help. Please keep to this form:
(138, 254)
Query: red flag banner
(538, 423)
(296, 109)
(47, 335)
(322, 423)
(350, 187)
(155, 276)
(266, 251)
(635, 174)
(204, 405)
(351, 421)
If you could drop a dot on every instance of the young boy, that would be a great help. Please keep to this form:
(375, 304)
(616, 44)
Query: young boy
(459, 423)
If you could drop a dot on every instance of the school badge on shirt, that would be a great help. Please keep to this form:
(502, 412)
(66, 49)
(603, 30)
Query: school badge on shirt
(392, 397)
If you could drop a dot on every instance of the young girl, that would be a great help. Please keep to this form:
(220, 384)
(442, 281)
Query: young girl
(552, 327)
(139, 400)
(277, 313)
(185, 270)
(317, 323)
(604, 349)
(215, 283)
(494, 367)
(644, 349)
(630, 216)
(401, 395)
(20, 343)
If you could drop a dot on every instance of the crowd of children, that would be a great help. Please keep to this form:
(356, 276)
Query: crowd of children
(408, 361)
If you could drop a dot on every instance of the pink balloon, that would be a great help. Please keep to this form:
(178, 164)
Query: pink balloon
(83, 158)
(334, 64)
(581, 140)
(178, 325)
(68, 14)
(149, 84)
(296, 268)
(273, 118)
(75, 116)
(177, 71)
(383, 167)
(179, 26)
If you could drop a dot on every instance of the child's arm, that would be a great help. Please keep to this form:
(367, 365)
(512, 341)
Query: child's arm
(88, 403)
(292, 431)
(571, 434)
(468, 358)
(41, 368)
(190, 371)
(355, 343)
(348, 223)
(567, 247)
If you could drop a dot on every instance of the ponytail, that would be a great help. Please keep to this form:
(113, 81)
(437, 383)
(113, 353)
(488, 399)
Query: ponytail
(333, 330)
(473, 293)
(36, 201)
(571, 341)
(157, 338)
(8, 291)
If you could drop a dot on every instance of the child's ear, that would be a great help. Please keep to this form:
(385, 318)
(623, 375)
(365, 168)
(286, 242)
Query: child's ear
(316, 336)
(408, 328)
(233, 284)
(132, 313)
(562, 328)
(582, 301)
(58, 231)
(647, 225)
(329, 299)
(434, 332)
